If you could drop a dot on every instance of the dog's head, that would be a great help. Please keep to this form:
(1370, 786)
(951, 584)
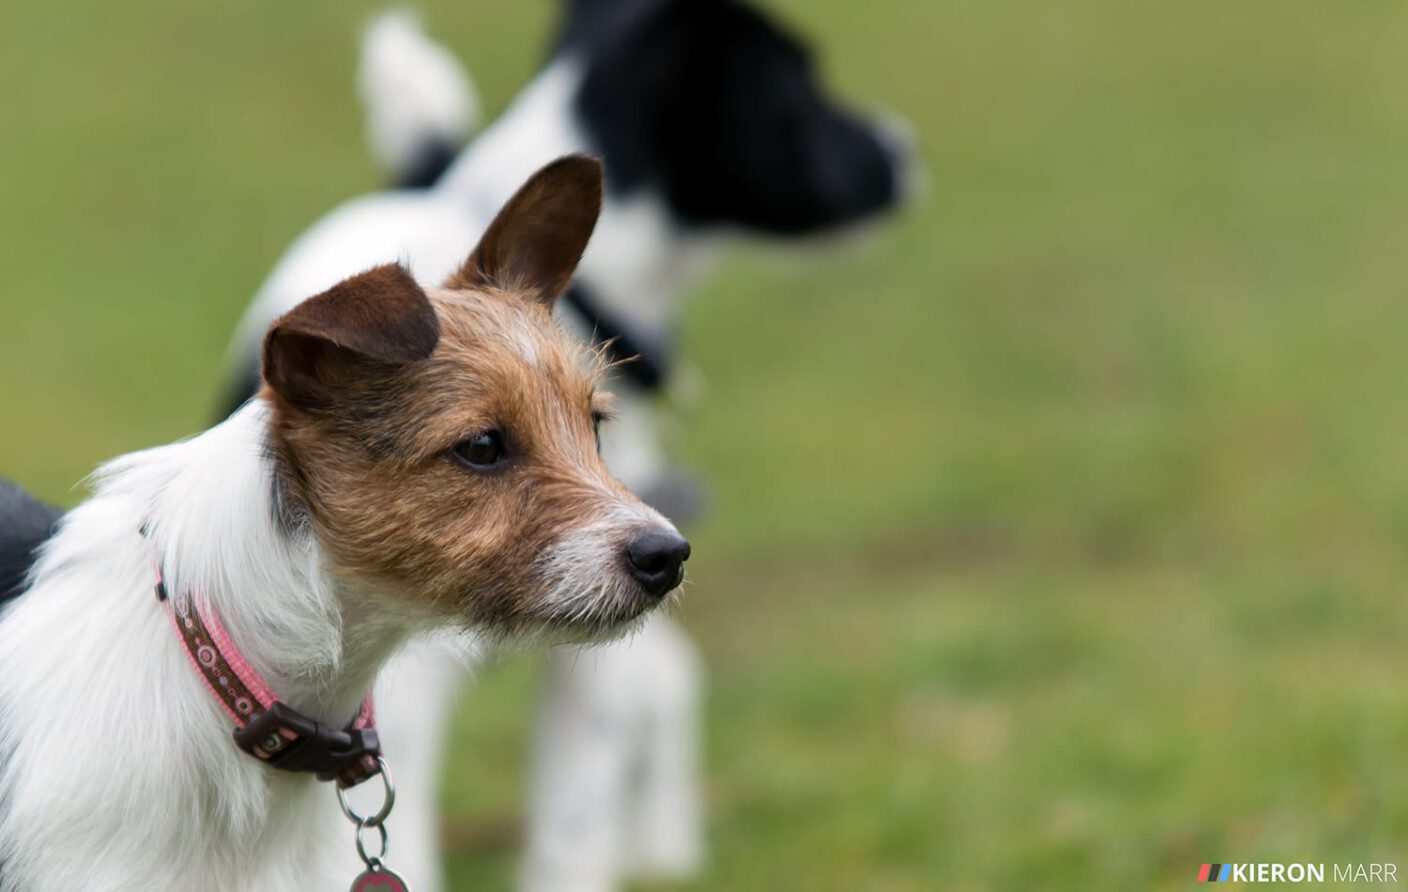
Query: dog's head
(442, 442)
(723, 112)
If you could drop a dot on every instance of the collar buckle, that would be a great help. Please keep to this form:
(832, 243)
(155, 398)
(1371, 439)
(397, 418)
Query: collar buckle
(288, 740)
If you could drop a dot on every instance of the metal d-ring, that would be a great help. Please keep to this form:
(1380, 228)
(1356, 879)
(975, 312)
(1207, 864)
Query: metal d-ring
(376, 819)
(376, 862)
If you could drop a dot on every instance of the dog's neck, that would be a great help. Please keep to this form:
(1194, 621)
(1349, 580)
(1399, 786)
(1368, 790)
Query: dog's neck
(222, 537)
(640, 261)
(114, 758)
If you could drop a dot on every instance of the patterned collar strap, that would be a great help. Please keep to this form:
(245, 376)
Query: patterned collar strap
(268, 730)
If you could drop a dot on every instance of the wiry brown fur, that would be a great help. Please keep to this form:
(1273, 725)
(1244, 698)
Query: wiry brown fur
(379, 483)
(367, 412)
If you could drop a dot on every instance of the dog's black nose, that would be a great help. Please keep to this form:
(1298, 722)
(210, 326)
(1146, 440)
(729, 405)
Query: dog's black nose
(657, 560)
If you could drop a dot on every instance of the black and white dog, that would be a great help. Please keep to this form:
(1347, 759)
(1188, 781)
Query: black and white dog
(714, 127)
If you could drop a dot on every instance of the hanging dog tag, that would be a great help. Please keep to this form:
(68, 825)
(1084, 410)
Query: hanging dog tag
(379, 879)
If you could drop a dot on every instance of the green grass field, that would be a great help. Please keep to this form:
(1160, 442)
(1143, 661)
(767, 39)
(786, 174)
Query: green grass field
(1058, 530)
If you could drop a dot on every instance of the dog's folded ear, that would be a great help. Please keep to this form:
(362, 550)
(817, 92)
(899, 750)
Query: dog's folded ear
(367, 324)
(533, 245)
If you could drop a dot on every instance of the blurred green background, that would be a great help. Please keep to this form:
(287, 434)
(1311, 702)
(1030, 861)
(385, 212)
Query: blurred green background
(1058, 530)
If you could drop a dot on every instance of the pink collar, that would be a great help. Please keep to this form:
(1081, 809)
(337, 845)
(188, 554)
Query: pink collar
(267, 729)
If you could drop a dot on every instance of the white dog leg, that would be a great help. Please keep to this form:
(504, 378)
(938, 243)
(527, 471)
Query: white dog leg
(616, 749)
(415, 698)
(664, 836)
(581, 751)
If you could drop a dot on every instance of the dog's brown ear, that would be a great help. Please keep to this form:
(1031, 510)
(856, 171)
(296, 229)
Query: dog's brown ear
(367, 324)
(533, 245)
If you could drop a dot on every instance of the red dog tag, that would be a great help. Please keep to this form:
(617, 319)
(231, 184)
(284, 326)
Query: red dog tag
(379, 880)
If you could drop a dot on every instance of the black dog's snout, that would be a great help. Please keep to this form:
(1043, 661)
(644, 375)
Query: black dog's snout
(657, 560)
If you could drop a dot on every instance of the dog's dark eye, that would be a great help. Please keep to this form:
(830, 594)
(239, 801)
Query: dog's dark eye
(481, 451)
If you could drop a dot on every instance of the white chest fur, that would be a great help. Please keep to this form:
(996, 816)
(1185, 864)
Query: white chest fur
(117, 769)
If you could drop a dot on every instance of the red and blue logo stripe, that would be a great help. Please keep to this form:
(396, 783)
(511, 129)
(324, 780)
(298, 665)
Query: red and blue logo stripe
(1214, 873)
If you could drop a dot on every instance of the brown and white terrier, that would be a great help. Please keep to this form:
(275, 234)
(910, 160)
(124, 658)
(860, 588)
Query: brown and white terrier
(445, 444)
(418, 459)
